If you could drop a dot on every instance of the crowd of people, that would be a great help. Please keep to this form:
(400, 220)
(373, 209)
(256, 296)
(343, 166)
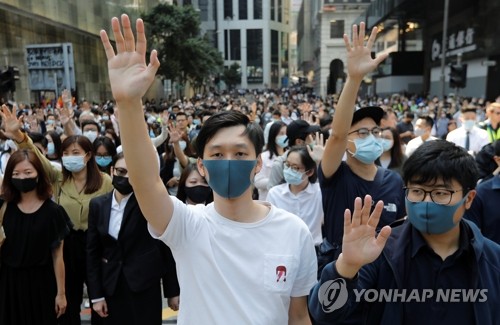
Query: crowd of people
(248, 203)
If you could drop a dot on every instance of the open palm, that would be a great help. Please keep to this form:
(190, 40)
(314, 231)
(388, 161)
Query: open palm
(129, 75)
(359, 60)
(360, 244)
(12, 125)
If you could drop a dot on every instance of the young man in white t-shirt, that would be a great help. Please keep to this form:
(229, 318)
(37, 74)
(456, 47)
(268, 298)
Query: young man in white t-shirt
(239, 261)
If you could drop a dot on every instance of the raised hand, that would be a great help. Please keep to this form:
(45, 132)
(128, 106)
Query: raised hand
(360, 244)
(12, 125)
(175, 135)
(129, 75)
(318, 147)
(359, 60)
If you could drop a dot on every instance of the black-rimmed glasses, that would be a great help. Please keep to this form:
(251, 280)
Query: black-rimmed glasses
(439, 196)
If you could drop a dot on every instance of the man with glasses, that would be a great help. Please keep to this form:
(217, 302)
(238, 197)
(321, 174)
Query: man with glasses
(432, 254)
(356, 134)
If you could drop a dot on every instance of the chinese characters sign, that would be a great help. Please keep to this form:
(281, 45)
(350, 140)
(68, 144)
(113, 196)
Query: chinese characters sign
(458, 41)
(50, 67)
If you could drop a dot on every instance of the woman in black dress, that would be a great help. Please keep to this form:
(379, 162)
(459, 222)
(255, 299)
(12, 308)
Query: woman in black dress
(32, 268)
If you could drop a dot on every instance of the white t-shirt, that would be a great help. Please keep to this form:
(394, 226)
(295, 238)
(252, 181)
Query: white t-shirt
(307, 205)
(239, 273)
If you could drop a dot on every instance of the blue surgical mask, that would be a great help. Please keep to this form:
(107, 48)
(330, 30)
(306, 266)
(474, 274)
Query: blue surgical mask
(432, 218)
(103, 161)
(73, 163)
(50, 148)
(367, 149)
(196, 122)
(282, 141)
(386, 144)
(292, 177)
(229, 178)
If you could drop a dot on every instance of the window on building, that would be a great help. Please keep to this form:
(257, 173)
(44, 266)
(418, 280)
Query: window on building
(280, 11)
(336, 29)
(228, 9)
(257, 9)
(234, 45)
(243, 9)
(254, 56)
(273, 10)
(203, 5)
(275, 56)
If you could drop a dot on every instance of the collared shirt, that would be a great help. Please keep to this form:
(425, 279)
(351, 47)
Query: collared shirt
(478, 138)
(116, 216)
(415, 143)
(427, 270)
(307, 205)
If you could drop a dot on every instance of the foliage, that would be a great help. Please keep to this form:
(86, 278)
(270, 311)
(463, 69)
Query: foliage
(232, 76)
(184, 55)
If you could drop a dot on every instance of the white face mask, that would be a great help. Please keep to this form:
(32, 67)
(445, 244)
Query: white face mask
(469, 124)
(91, 135)
(419, 132)
(183, 145)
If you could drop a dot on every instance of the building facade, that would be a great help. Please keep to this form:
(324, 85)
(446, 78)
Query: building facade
(321, 41)
(252, 33)
(32, 24)
(470, 38)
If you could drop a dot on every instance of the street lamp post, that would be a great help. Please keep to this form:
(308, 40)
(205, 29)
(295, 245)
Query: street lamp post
(443, 55)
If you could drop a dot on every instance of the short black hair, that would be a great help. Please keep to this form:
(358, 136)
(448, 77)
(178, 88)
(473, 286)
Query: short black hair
(87, 122)
(228, 119)
(38, 138)
(428, 120)
(441, 159)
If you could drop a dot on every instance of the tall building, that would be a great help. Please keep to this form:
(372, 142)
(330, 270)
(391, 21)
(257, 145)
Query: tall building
(413, 33)
(321, 26)
(252, 33)
(56, 45)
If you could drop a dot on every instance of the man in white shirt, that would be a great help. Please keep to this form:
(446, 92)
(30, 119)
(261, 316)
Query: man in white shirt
(423, 129)
(469, 136)
(239, 261)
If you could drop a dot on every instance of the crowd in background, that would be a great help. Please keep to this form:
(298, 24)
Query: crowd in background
(296, 124)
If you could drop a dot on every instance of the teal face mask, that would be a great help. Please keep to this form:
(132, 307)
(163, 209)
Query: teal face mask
(432, 218)
(51, 149)
(103, 161)
(229, 178)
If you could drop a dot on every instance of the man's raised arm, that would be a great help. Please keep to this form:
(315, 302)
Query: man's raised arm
(359, 63)
(130, 78)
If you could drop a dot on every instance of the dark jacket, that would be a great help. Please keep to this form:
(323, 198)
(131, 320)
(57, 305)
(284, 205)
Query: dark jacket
(388, 271)
(142, 260)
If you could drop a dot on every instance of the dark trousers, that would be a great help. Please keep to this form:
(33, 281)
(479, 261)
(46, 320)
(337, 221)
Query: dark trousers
(134, 308)
(75, 262)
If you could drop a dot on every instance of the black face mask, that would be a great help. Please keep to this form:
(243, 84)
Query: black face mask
(198, 194)
(24, 185)
(122, 185)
